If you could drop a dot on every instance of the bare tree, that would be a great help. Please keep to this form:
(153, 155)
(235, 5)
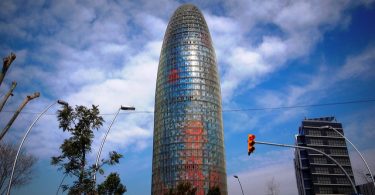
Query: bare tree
(6, 96)
(361, 176)
(7, 61)
(23, 171)
(273, 187)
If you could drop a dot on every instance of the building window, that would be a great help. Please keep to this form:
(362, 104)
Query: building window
(335, 142)
(323, 180)
(332, 134)
(321, 170)
(314, 141)
(325, 190)
(337, 170)
(320, 160)
(338, 151)
(342, 180)
(314, 132)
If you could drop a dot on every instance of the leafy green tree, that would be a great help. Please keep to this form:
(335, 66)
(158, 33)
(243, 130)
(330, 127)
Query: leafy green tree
(112, 185)
(80, 123)
(184, 188)
(215, 190)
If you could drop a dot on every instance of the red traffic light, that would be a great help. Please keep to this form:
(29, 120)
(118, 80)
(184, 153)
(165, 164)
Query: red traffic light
(250, 144)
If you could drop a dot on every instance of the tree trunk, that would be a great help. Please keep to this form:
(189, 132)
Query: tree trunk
(27, 99)
(9, 93)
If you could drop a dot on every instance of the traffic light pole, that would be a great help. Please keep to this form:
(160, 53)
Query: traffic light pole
(316, 150)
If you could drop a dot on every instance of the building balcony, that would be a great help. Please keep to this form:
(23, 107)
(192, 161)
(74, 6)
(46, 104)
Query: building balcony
(325, 136)
(333, 184)
(321, 145)
(332, 174)
(325, 164)
(333, 155)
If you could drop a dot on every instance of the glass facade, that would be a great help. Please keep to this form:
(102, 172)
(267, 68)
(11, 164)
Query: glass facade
(188, 130)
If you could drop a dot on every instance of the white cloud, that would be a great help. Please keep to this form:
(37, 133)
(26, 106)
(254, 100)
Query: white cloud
(361, 65)
(152, 25)
(133, 85)
(89, 58)
(106, 53)
(315, 87)
(272, 47)
(298, 27)
(244, 66)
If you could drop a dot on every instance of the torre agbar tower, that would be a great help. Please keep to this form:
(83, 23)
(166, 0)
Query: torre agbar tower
(188, 128)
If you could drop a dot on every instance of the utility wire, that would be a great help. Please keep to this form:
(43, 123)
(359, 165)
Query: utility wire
(239, 110)
(299, 106)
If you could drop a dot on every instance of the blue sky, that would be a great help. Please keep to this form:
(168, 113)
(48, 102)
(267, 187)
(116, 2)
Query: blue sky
(269, 53)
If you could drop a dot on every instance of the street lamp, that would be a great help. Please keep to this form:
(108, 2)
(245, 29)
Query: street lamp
(316, 150)
(105, 137)
(338, 132)
(62, 181)
(24, 138)
(235, 176)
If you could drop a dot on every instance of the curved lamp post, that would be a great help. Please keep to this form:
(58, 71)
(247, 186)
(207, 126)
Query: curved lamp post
(363, 159)
(105, 137)
(62, 181)
(316, 150)
(235, 176)
(24, 138)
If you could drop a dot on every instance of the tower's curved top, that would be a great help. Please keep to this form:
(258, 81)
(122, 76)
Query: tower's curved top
(188, 130)
(187, 18)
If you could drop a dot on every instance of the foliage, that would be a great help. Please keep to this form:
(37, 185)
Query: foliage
(112, 185)
(23, 171)
(273, 187)
(184, 188)
(215, 190)
(80, 123)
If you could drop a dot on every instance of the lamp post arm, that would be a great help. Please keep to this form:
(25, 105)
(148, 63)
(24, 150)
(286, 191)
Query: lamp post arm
(240, 185)
(316, 150)
(21, 144)
(102, 144)
(62, 181)
(360, 154)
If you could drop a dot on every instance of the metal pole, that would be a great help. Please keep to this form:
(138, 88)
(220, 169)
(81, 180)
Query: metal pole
(235, 176)
(360, 154)
(23, 139)
(316, 150)
(102, 144)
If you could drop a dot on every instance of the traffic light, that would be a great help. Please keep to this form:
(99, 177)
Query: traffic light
(250, 144)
